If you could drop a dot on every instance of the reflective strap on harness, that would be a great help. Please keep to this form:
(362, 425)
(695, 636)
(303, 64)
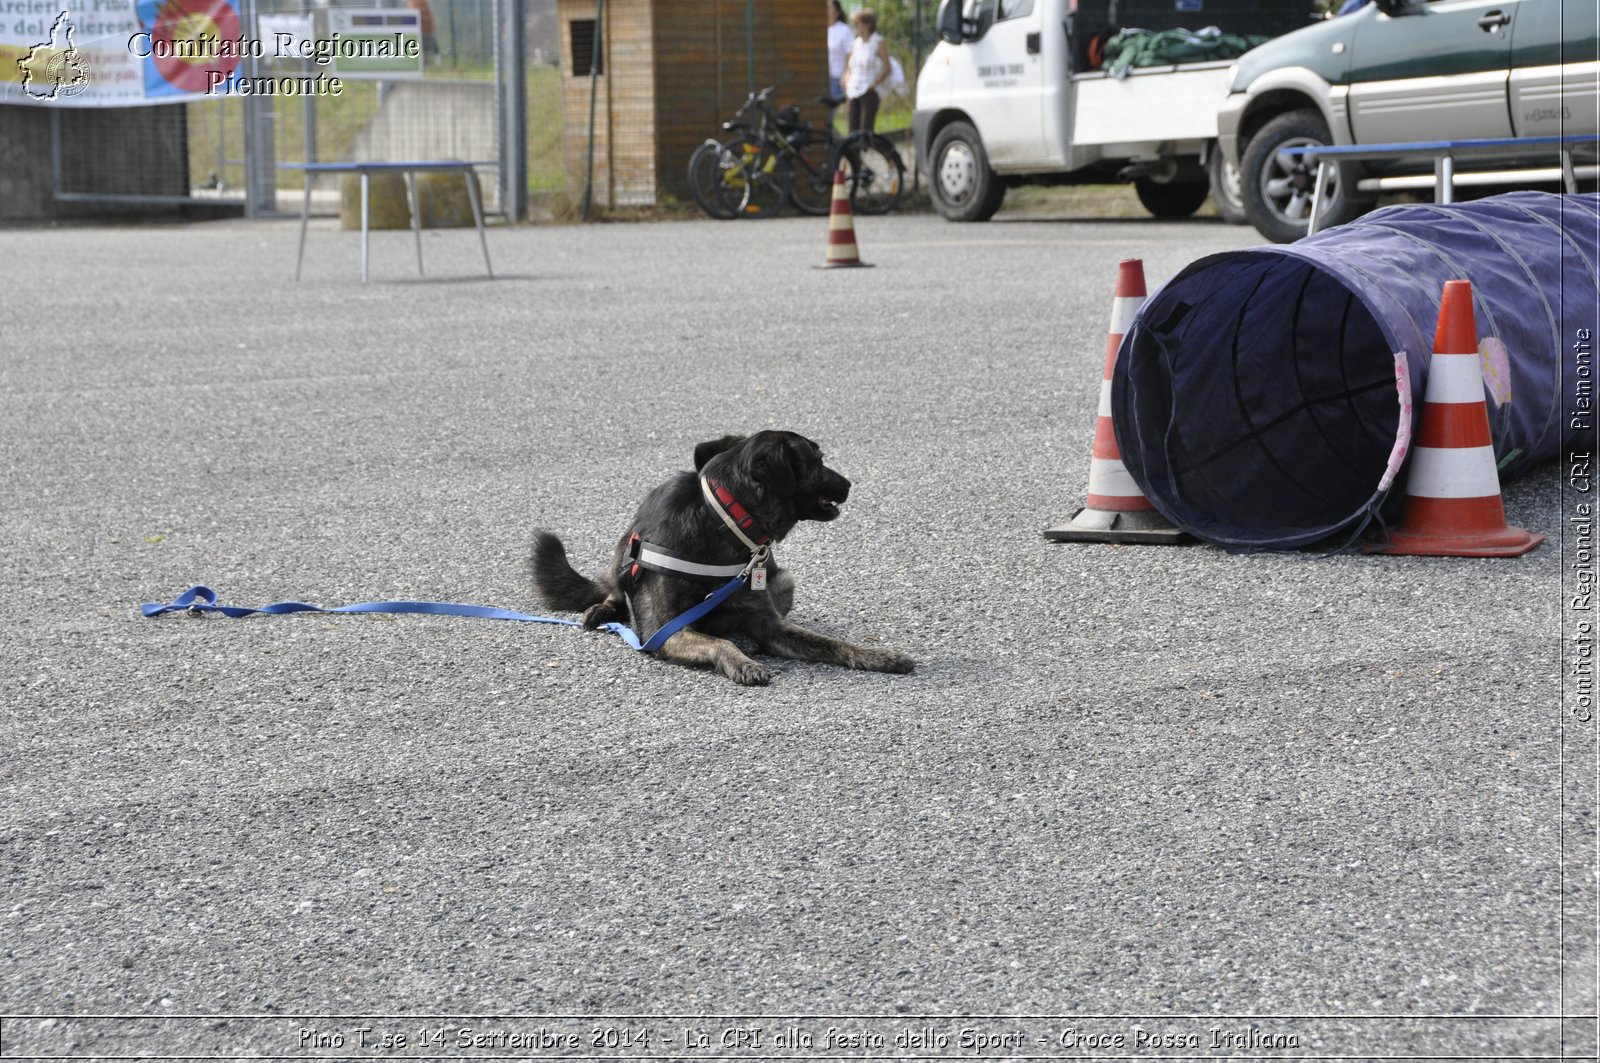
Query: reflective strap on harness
(661, 559)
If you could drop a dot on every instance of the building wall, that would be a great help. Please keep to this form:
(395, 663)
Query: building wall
(625, 104)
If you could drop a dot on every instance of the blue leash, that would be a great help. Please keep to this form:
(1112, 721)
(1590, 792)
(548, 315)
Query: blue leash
(199, 599)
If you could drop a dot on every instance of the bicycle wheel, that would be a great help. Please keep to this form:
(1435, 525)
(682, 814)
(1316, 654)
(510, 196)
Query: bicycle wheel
(812, 192)
(873, 171)
(716, 179)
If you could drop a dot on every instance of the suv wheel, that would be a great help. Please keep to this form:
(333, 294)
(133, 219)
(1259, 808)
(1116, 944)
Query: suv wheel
(1277, 187)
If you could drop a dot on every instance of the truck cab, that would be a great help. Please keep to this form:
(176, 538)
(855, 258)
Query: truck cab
(1015, 92)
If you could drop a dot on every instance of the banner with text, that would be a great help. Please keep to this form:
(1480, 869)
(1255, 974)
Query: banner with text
(127, 53)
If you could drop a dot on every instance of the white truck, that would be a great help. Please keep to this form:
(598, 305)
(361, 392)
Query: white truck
(1013, 94)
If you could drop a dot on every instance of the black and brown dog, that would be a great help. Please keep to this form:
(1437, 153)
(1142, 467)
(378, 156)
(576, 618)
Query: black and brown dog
(746, 493)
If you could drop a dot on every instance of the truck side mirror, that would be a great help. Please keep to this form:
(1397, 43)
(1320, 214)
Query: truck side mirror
(948, 21)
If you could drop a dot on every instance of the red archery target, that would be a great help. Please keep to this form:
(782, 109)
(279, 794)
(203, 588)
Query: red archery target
(208, 29)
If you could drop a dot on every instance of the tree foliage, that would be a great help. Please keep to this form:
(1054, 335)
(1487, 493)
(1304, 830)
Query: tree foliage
(898, 22)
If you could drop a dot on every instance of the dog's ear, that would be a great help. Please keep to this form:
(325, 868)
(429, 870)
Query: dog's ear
(772, 470)
(711, 448)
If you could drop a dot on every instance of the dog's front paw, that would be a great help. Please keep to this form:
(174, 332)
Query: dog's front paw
(605, 612)
(747, 673)
(888, 661)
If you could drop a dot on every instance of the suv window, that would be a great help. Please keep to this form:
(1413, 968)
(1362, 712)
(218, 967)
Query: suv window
(1015, 8)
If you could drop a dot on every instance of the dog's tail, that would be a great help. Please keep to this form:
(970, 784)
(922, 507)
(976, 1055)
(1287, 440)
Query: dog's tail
(558, 583)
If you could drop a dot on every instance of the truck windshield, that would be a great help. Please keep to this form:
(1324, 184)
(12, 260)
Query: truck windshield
(979, 15)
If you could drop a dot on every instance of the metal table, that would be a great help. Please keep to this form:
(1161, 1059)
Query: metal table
(366, 169)
(1444, 153)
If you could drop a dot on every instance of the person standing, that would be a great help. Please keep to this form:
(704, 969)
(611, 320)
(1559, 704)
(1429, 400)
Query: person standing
(865, 69)
(430, 43)
(839, 38)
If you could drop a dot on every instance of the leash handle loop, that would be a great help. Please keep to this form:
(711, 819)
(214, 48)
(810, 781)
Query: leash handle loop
(199, 600)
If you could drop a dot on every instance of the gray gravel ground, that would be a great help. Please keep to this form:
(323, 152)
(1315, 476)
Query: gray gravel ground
(1123, 781)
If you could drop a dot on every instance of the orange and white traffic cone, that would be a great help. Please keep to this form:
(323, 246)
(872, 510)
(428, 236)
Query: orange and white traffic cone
(842, 250)
(1116, 511)
(1453, 506)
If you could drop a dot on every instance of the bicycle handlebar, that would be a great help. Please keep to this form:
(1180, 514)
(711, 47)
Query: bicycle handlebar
(758, 100)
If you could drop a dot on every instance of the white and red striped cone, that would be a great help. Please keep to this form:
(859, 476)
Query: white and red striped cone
(1453, 506)
(842, 250)
(1115, 510)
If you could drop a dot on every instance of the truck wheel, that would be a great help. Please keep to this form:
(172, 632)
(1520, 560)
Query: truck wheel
(1277, 188)
(962, 185)
(1226, 191)
(1171, 200)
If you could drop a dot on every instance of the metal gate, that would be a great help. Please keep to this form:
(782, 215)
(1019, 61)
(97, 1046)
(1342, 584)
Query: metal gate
(466, 101)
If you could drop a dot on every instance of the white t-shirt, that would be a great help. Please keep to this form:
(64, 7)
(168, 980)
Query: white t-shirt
(839, 38)
(866, 65)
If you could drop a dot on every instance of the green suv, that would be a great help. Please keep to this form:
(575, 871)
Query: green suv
(1401, 70)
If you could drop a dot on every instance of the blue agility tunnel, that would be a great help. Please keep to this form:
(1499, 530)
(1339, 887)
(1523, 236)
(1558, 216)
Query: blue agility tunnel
(1263, 398)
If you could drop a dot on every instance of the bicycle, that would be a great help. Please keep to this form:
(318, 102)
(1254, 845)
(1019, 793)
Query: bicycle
(737, 178)
(874, 172)
(777, 159)
(754, 173)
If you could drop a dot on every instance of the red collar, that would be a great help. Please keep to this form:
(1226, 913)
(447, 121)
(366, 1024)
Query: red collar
(739, 520)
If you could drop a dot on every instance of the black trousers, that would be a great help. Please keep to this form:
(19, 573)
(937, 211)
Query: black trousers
(864, 112)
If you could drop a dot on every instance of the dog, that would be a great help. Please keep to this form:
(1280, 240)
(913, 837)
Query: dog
(746, 493)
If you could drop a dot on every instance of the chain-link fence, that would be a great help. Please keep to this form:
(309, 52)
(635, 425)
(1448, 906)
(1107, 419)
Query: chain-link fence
(560, 102)
(451, 108)
(144, 125)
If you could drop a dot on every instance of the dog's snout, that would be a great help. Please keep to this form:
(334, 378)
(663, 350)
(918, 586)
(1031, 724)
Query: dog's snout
(836, 487)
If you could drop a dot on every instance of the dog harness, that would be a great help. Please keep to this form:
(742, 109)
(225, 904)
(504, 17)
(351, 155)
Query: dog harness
(643, 555)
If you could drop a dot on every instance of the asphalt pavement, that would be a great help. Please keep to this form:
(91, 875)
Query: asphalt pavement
(1129, 791)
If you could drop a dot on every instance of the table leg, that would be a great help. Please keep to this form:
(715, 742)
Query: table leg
(1569, 174)
(305, 216)
(1317, 191)
(363, 226)
(1444, 179)
(477, 216)
(416, 218)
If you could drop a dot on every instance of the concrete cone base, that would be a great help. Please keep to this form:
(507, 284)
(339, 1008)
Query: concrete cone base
(1112, 526)
(1510, 542)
